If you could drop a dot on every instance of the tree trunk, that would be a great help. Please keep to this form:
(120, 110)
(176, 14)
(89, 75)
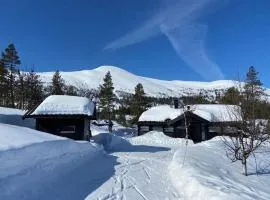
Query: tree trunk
(244, 166)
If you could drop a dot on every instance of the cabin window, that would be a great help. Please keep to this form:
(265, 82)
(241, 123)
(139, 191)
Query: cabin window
(214, 129)
(230, 130)
(67, 130)
(158, 128)
(169, 129)
(181, 127)
(144, 128)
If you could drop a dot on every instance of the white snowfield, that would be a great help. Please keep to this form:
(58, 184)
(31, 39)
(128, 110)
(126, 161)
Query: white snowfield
(64, 104)
(36, 165)
(209, 112)
(125, 81)
(208, 174)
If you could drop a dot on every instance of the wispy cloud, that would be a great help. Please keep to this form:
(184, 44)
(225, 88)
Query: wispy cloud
(178, 21)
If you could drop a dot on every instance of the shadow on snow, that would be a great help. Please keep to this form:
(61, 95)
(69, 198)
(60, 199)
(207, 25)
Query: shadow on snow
(61, 169)
(53, 170)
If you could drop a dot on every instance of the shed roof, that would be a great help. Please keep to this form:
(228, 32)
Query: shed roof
(160, 114)
(209, 112)
(64, 105)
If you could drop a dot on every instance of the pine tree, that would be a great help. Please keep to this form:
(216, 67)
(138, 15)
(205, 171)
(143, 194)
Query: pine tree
(106, 97)
(253, 84)
(231, 96)
(3, 84)
(253, 92)
(71, 90)
(11, 61)
(20, 90)
(250, 135)
(34, 89)
(139, 102)
(58, 84)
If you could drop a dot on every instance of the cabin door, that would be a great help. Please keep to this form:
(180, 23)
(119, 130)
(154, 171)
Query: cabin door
(195, 132)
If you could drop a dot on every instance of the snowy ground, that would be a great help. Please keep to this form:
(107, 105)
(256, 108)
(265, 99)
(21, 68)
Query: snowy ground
(36, 165)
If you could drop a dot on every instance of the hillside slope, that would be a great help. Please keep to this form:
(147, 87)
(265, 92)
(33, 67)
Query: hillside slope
(125, 81)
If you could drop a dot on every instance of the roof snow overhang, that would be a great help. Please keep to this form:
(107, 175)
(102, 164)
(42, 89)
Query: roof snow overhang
(187, 114)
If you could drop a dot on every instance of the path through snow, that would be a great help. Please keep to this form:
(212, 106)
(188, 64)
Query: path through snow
(139, 176)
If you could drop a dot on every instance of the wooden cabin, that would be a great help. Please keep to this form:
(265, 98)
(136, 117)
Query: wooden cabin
(203, 121)
(63, 115)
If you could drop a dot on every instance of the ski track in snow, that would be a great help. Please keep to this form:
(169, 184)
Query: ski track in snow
(139, 176)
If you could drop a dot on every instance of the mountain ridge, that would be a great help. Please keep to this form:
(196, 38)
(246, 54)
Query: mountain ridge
(125, 81)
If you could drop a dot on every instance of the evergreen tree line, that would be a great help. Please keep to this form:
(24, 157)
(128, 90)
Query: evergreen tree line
(17, 89)
(25, 90)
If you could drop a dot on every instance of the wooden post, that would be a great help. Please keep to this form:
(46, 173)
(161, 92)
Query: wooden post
(203, 131)
(86, 135)
(221, 129)
(37, 124)
(139, 129)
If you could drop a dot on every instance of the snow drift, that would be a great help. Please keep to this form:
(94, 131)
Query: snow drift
(36, 165)
(14, 117)
(208, 174)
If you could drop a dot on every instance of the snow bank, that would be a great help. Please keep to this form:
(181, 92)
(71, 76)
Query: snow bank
(208, 174)
(98, 127)
(155, 138)
(17, 137)
(112, 142)
(36, 165)
(14, 117)
(64, 104)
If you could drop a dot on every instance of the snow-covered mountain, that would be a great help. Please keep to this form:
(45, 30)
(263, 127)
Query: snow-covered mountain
(125, 81)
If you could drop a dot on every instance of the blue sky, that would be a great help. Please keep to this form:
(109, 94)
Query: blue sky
(165, 39)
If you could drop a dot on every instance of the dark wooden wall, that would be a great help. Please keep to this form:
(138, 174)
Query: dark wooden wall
(197, 130)
(62, 127)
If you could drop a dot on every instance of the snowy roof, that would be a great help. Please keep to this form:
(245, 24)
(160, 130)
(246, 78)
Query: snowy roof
(65, 105)
(160, 113)
(209, 112)
(217, 112)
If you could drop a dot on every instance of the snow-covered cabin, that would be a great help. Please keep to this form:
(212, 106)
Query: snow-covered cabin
(63, 115)
(204, 121)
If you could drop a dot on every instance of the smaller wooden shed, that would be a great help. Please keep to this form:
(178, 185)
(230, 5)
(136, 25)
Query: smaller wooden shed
(63, 115)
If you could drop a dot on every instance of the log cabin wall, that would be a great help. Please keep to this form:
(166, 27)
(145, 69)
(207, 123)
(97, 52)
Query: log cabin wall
(70, 128)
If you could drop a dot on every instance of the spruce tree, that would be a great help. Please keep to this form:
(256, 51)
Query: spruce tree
(252, 87)
(3, 84)
(250, 134)
(71, 90)
(11, 62)
(20, 90)
(106, 97)
(139, 103)
(253, 92)
(34, 89)
(231, 96)
(58, 84)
